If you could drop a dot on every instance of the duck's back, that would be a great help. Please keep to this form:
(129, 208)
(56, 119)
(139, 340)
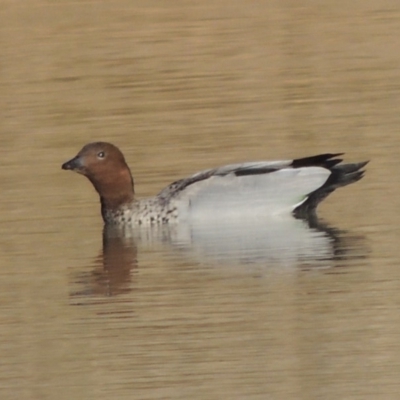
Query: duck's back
(271, 188)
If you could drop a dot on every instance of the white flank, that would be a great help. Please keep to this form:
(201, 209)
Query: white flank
(274, 193)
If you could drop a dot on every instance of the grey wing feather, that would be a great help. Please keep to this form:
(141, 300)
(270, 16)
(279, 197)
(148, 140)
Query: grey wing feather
(339, 175)
(250, 168)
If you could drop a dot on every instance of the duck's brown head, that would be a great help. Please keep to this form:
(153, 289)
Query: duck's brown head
(104, 165)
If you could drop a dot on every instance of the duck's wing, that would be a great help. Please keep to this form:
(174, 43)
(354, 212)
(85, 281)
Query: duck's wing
(276, 186)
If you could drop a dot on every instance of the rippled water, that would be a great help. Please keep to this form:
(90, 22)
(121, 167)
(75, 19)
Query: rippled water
(262, 311)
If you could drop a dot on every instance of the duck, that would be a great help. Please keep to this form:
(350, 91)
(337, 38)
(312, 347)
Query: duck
(245, 190)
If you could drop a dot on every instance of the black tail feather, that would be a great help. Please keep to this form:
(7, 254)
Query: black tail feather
(341, 175)
(321, 160)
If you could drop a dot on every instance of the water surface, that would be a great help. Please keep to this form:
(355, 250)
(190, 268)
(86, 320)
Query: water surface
(196, 313)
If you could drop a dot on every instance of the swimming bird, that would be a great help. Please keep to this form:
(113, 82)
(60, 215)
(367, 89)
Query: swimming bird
(251, 189)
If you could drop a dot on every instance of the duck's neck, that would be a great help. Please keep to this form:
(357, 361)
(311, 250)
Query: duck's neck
(116, 202)
(116, 192)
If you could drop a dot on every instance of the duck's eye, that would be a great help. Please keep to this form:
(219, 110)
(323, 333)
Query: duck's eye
(101, 154)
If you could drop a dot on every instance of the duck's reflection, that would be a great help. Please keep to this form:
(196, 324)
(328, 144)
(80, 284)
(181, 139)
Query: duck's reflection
(278, 242)
(113, 269)
(285, 242)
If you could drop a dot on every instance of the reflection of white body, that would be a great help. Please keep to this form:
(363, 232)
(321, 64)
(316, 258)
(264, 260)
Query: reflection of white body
(282, 241)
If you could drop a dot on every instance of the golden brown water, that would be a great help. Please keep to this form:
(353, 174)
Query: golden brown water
(181, 87)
